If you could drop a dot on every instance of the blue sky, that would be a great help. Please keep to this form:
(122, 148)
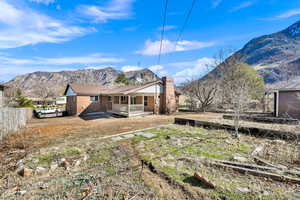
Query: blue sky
(55, 35)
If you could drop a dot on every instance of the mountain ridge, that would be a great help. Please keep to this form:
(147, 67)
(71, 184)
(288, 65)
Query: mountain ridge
(275, 56)
(57, 81)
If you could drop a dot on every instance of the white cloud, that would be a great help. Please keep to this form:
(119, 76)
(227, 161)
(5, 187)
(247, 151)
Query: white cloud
(241, 6)
(82, 60)
(129, 68)
(46, 2)
(152, 48)
(22, 26)
(98, 67)
(159, 70)
(168, 27)
(156, 68)
(288, 14)
(115, 9)
(196, 69)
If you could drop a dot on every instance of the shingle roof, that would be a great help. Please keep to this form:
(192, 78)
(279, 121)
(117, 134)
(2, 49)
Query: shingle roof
(289, 86)
(81, 89)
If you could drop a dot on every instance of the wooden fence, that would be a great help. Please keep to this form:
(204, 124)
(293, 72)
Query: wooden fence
(13, 119)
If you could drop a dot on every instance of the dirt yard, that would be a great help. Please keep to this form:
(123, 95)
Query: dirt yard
(41, 133)
(67, 158)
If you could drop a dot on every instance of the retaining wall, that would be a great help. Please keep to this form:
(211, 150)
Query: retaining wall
(255, 131)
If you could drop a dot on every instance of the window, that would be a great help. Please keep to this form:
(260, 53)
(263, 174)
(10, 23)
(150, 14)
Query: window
(94, 98)
(124, 100)
(145, 101)
(109, 98)
(132, 100)
(116, 100)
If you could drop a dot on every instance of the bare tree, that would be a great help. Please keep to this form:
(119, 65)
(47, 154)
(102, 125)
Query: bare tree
(203, 92)
(44, 93)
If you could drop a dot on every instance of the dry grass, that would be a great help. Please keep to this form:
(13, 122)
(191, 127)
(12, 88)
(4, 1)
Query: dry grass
(108, 169)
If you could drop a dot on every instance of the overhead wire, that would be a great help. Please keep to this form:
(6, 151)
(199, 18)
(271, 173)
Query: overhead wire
(162, 31)
(187, 18)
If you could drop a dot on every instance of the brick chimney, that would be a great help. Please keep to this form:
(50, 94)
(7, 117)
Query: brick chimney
(169, 100)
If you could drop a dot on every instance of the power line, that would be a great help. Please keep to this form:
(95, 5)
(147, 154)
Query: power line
(162, 31)
(185, 22)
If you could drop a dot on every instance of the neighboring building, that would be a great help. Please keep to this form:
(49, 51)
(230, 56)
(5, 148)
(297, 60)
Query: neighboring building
(42, 102)
(155, 97)
(61, 100)
(287, 101)
(2, 95)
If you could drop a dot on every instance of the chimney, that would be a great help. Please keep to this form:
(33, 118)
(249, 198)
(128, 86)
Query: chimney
(169, 100)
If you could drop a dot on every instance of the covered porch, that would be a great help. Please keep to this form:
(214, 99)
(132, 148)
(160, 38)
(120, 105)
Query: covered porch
(131, 105)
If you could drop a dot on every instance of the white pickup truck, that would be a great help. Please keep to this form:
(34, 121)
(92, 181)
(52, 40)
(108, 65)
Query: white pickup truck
(48, 110)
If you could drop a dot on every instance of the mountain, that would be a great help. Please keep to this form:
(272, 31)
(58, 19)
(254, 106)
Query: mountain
(276, 56)
(57, 81)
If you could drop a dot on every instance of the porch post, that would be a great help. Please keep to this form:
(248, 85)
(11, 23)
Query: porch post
(143, 103)
(119, 99)
(128, 105)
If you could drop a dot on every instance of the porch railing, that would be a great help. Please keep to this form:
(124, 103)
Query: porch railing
(120, 108)
(124, 108)
(137, 108)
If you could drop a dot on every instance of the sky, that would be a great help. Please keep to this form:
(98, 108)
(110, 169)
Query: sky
(56, 35)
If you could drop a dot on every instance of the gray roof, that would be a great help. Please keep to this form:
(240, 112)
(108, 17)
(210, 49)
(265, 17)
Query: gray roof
(289, 86)
(82, 89)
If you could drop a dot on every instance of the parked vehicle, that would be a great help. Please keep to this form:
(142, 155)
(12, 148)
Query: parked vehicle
(49, 112)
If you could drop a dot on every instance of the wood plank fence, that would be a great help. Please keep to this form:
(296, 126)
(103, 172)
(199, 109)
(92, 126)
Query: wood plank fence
(13, 119)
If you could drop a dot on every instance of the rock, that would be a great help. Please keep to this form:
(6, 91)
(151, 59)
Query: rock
(40, 169)
(20, 192)
(265, 193)
(117, 138)
(19, 163)
(63, 163)
(239, 159)
(24, 172)
(53, 166)
(139, 133)
(85, 157)
(258, 150)
(163, 163)
(127, 136)
(147, 135)
(280, 142)
(243, 190)
(77, 163)
(169, 157)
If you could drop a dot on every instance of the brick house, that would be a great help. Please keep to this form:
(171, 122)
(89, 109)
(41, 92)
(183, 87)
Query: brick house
(150, 98)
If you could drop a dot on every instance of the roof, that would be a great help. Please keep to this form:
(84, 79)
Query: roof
(293, 86)
(81, 89)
